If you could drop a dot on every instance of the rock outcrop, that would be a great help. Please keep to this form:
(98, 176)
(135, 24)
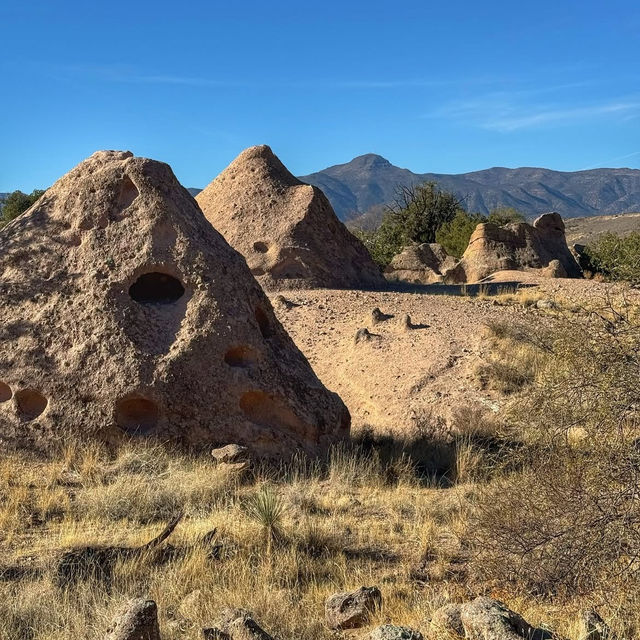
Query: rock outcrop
(286, 230)
(517, 246)
(124, 312)
(420, 264)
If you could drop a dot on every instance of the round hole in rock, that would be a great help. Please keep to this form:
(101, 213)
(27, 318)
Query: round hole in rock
(31, 403)
(240, 356)
(137, 415)
(263, 323)
(260, 247)
(5, 392)
(156, 288)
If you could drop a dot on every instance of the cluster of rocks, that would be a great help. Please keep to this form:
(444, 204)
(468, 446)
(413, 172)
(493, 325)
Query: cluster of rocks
(541, 247)
(480, 619)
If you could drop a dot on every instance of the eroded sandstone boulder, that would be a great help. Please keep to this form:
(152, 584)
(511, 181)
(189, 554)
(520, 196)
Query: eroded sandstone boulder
(125, 313)
(286, 230)
(517, 246)
(420, 264)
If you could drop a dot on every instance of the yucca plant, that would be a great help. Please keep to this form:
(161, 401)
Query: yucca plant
(267, 509)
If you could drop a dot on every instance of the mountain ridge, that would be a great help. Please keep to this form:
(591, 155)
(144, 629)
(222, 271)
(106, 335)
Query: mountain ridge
(368, 181)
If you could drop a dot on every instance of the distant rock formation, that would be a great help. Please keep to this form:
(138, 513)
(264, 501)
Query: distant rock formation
(517, 246)
(286, 230)
(125, 313)
(420, 264)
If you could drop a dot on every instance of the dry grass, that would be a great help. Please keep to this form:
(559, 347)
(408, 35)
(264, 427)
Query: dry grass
(332, 527)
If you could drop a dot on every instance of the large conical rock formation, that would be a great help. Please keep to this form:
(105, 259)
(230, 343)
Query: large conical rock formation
(517, 246)
(286, 230)
(124, 312)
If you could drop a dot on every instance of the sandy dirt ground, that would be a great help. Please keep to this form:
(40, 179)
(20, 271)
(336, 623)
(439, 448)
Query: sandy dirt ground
(393, 380)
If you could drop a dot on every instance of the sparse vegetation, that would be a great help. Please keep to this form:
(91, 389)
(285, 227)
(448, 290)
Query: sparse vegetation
(577, 472)
(615, 257)
(416, 214)
(17, 203)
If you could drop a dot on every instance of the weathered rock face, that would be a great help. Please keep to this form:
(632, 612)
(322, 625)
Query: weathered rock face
(286, 230)
(517, 246)
(352, 610)
(485, 619)
(420, 264)
(124, 312)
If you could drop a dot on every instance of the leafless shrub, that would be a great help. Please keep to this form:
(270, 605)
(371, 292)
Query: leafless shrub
(568, 519)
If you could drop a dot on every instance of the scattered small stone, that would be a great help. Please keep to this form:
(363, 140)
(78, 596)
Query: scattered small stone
(352, 610)
(239, 624)
(378, 316)
(138, 620)
(593, 627)
(281, 301)
(394, 632)
(230, 453)
(364, 335)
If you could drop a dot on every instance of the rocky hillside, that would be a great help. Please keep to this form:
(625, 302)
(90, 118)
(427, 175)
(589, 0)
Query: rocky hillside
(369, 181)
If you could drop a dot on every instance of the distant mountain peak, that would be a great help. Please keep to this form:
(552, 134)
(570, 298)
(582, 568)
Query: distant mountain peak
(370, 180)
(370, 161)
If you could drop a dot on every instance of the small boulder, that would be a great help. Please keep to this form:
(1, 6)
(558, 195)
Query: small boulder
(593, 627)
(448, 619)
(488, 619)
(230, 453)
(352, 610)
(138, 620)
(238, 624)
(394, 632)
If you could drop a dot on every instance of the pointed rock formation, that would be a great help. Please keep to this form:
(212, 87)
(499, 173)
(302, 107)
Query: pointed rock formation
(125, 313)
(286, 230)
(517, 246)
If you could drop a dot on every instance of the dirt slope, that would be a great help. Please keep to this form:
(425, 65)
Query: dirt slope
(398, 376)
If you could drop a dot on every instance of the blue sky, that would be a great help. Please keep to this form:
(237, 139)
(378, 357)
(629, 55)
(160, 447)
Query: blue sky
(433, 86)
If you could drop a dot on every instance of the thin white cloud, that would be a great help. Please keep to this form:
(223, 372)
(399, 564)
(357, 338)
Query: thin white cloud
(508, 112)
(610, 161)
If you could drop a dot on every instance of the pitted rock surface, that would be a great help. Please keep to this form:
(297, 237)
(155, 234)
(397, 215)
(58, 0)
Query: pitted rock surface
(124, 312)
(286, 230)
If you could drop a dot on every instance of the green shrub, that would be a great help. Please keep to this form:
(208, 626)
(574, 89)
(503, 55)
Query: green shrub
(615, 257)
(504, 215)
(454, 235)
(17, 203)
